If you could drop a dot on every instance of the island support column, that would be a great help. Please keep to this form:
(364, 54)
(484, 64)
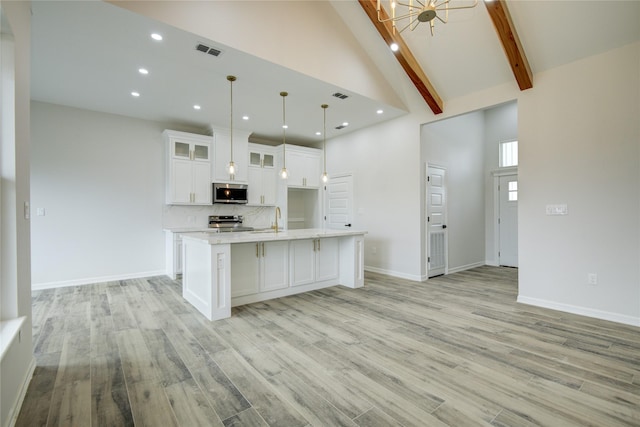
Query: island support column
(206, 277)
(352, 261)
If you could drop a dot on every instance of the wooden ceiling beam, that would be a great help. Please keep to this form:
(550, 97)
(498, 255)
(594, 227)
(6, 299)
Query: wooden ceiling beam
(404, 56)
(510, 42)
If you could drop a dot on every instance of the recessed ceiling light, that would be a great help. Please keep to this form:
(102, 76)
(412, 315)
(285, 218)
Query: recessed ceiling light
(318, 133)
(379, 112)
(196, 107)
(285, 127)
(345, 124)
(156, 36)
(245, 117)
(394, 47)
(135, 94)
(143, 71)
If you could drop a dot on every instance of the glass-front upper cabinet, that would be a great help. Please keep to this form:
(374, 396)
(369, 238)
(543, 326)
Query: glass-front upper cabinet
(190, 150)
(261, 159)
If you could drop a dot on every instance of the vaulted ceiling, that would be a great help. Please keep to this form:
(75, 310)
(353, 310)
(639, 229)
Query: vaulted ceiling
(500, 41)
(85, 55)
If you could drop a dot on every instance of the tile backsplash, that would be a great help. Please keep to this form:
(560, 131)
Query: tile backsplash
(177, 216)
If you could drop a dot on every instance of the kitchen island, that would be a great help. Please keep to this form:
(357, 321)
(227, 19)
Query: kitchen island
(223, 270)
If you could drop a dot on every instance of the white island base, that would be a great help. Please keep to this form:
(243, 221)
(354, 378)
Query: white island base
(225, 270)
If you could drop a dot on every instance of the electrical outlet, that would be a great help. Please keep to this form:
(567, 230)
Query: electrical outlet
(592, 279)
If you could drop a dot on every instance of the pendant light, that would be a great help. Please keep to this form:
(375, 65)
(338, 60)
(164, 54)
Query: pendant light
(284, 173)
(325, 177)
(231, 167)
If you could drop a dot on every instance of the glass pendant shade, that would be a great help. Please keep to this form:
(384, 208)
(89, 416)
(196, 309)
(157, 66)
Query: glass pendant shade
(231, 168)
(284, 173)
(325, 177)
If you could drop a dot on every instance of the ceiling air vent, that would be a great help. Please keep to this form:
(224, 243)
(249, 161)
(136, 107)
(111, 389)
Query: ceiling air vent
(340, 95)
(206, 49)
(340, 127)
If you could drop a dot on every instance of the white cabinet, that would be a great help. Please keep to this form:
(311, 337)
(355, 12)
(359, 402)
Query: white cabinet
(173, 253)
(304, 166)
(314, 260)
(262, 176)
(222, 155)
(259, 267)
(188, 168)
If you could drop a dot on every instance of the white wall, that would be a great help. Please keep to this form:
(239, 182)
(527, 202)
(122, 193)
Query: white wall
(385, 163)
(18, 362)
(579, 145)
(457, 144)
(501, 124)
(99, 179)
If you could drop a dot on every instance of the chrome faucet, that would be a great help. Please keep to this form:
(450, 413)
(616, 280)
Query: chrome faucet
(278, 215)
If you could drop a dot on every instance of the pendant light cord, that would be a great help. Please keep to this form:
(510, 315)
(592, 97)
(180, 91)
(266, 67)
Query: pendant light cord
(231, 120)
(324, 136)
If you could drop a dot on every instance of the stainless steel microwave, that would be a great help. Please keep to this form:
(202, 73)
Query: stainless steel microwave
(230, 193)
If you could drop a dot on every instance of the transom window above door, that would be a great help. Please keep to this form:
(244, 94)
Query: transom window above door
(508, 154)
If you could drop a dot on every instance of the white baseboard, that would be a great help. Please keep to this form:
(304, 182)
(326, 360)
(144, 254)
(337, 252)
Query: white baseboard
(465, 267)
(420, 278)
(583, 311)
(15, 411)
(92, 280)
(393, 273)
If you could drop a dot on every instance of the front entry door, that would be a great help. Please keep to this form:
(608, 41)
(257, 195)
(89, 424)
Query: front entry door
(436, 222)
(508, 221)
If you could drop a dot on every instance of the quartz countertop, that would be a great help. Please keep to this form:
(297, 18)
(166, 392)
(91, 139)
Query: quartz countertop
(267, 235)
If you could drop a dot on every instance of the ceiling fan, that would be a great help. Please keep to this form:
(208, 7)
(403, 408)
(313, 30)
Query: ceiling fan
(417, 11)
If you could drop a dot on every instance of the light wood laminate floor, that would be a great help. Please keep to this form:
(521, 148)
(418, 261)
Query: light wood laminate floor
(456, 350)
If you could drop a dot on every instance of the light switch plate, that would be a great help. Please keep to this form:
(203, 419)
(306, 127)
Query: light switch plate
(557, 209)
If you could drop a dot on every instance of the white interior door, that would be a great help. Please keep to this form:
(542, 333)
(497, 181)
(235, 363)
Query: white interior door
(437, 254)
(508, 221)
(339, 202)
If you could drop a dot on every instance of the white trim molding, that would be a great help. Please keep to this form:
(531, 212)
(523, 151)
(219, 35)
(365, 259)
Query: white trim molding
(583, 311)
(93, 280)
(392, 273)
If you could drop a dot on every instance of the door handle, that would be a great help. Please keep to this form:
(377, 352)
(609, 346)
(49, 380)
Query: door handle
(444, 226)
(347, 225)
